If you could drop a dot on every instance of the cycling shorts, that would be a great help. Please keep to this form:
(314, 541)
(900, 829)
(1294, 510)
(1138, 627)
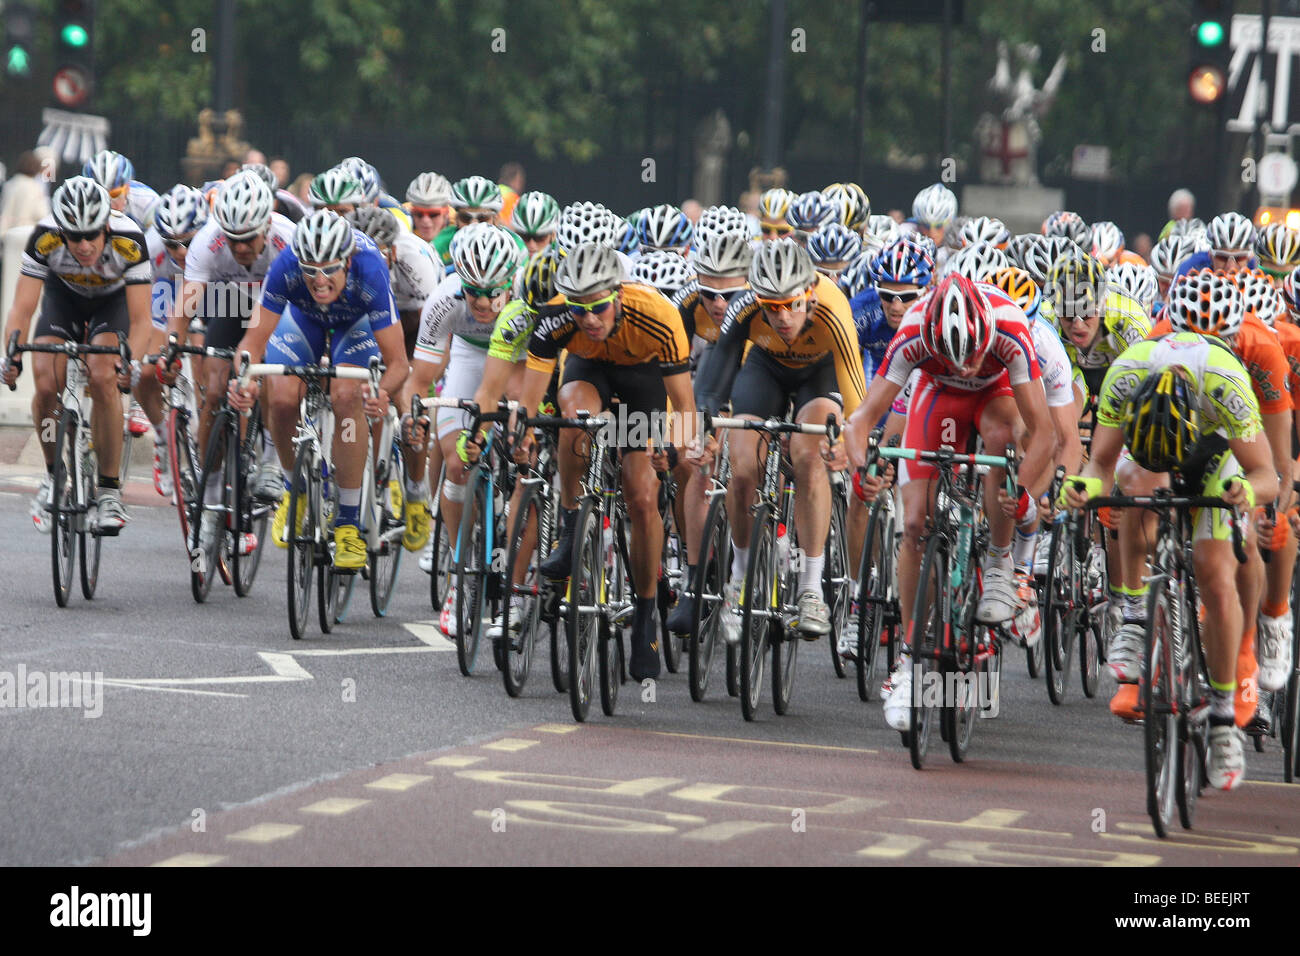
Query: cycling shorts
(639, 387)
(939, 416)
(298, 340)
(74, 318)
(1208, 524)
(764, 387)
(461, 380)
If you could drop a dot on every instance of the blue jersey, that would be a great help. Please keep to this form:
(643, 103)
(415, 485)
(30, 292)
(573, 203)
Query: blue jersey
(874, 333)
(367, 294)
(1201, 260)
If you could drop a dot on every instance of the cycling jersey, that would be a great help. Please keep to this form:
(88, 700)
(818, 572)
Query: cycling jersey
(124, 261)
(166, 272)
(511, 332)
(141, 201)
(1054, 364)
(366, 295)
(694, 315)
(648, 329)
(874, 331)
(415, 273)
(1288, 337)
(210, 258)
(1260, 352)
(1203, 260)
(1123, 323)
(446, 314)
(828, 332)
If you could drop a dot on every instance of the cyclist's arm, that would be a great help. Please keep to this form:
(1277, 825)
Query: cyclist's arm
(258, 333)
(1278, 429)
(139, 306)
(714, 380)
(1035, 471)
(185, 308)
(681, 424)
(1107, 443)
(392, 350)
(27, 295)
(1069, 450)
(496, 377)
(880, 397)
(1256, 460)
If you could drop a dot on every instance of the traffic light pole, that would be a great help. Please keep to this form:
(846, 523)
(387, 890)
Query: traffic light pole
(1257, 145)
(223, 80)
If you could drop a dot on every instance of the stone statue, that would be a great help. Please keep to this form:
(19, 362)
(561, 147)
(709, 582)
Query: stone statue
(1009, 133)
(712, 143)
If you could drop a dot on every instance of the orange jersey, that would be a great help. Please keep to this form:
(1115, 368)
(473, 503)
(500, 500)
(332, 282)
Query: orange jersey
(1262, 354)
(1288, 336)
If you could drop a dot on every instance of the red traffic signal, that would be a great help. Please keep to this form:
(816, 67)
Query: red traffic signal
(1206, 84)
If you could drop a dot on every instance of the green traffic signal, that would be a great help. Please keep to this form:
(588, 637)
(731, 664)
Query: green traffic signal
(1210, 33)
(17, 62)
(74, 35)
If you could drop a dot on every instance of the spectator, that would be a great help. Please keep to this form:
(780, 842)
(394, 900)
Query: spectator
(896, 215)
(511, 179)
(1142, 246)
(280, 166)
(1182, 204)
(302, 188)
(255, 156)
(230, 168)
(692, 209)
(23, 201)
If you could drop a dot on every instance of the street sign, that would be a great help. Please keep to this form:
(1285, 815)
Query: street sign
(1090, 162)
(1277, 175)
(1245, 74)
(74, 137)
(71, 86)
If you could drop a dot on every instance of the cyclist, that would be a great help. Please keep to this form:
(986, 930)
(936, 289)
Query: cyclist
(336, 190)
(832, 248)
(664, 228)
(88, 268)
(1166, 256)
(286, 203)
(1231, 238)
(330, 287)
(853, 206)
(934, 209)
(804, 350)
(429, 200)
(772, 207)
(535, 218)
(975, 352)
(625, 340)
(1278, 249)
(985, 229)
(115, 173)
(413, 267)
(1184, 403)
(808, 212)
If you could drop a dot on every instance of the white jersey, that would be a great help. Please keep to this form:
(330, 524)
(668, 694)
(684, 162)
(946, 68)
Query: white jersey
(445, 315)
(1058, 374)
(416, 272)
(141, 201)
(165, 268)
(210, 261)
(124, 261)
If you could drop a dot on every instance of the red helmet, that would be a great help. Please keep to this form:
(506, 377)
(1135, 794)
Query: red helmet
(958, 326)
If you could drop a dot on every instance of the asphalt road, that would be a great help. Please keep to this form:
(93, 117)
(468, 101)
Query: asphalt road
(222, 741)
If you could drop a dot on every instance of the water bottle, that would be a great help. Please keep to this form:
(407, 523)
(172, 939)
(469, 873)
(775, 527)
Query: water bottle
(782, 550)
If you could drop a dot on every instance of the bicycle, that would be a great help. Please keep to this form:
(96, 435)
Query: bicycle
(76, 467)
(948, 645)
(1175, 698)
(672, 570)
(314, 492)
(712, 569)
(771, 579)
(878, 613)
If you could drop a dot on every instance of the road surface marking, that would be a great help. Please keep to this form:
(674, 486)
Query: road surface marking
(511, 744)
(455, 760)
(398, 781)
(266, 832)
(988, 820)
(334, 806)
(761, 743)
(191, 859)
(430, 633)
(555, 728)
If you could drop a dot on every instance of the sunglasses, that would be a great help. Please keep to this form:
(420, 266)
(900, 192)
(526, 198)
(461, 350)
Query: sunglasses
(434, 213)
(245, 240)
(776, 230)
(474, 292)
(1073, 319)
(1240, 256)
(776, 305)
(467, 218)
(71, 237)
(726, 295)
(119, 191)
(909, 296)
(311, 272)
(178, 243)
(579, 309)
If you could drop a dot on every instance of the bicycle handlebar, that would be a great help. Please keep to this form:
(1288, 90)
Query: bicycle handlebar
(1174, 503)
(74, 349)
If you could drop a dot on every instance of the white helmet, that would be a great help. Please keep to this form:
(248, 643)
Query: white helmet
(81, 205)
(1261, 297)
(665, 227)
(485, 256)
(884, 229)
(1107, 241)
(367, 177)
(589, 267)
(376, 222)
(775, 203)
(985, 229)
(666, 271)
(1169, 252)
(429, 190)
(934, 206)
(723, 254)
(180, 211)
(244, 205)
(585, 222)
(720, 219)
(977, 262)
(1231, 231)
(781, 268)
(323, 236)
(336, 187)
(1134, 280)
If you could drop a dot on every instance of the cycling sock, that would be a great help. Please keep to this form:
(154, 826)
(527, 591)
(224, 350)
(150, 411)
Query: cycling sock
(1222, 712)
(416, 490)
(997, 557)
(739, 562)
(456, 493)
(1280, 609)
(1022, 546)
(107, 482)
(1134, 608)
(349, 507)
(810, 578)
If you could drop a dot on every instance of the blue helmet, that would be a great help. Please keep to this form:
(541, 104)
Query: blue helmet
(903, 260)
(834, 243)
(111, 170)
(810, 211)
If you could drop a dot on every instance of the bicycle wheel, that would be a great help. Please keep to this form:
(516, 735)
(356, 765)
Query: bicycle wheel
(837, 587)
(185, 477)
(618, 595)
(671, 569)
(1061, 598)
(302, 546)
(204, 560)
(1160, 719)
(64, 500)
(874, 592)
(333, 590)
(583, 613)
(91, 543)
(1089, 625)
(760, 603)
(470, 573)
(440, 577)
(785, 641)
(929, 618)
(711, 570)
(522, 613)
(961, 712)
(387, 558)
(254, 515)
(1291, 728)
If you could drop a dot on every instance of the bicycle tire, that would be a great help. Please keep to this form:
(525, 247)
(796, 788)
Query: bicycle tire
(619, 593)
(64, 514)
(960, 715)
(876, 577)
(670, 571)
(711, 570)
(1160, 720)
(185, 478)
(785, 641)
(91, 543)
(519, 650)
(440, 576)
(302, 546)
(203, 562)
(760, 588)
(470, 573)
(386, 560)
(1061, 599)
(254, 515)
(836, 590)
(928, 621)
(584, 590)
(329, 584)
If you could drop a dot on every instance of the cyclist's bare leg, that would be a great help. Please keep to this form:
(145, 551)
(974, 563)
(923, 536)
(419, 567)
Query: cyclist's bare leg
(48, 371)
(148, 391)
(349, 432)
(106, 418)
(812, 503)
(455, 483)
(1137, 528)
(746, 461)
(281, 404)
(641, 496)
(216, 372)
(918, 500)
(574, 397)
(999, 425)
(1226, 588)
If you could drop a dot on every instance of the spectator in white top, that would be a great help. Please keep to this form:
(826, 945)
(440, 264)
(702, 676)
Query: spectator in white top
(1182, 204)
(23, 201)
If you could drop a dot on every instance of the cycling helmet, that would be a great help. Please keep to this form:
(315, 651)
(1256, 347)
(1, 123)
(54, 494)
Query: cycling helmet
(1107, 241)
(1291, 294)
(263, 172)
(429, 190)
(367, 177)
(903, 261)
(723, 254)
(1230, 231)
(853, 208)
(180, 212)
(1278, 244)
(934, 206)
(775, 203)
(883, 229)
(1162, 420)
(336, 187)
(589, 268)
(665, 227)
(535, 282)
(958, 325)
(1168, 253)
(244, 205)
(985, 229)
(486, 256)
(810, 211)
(1020, 288)
(1134, 280)
(1260, 296)
(666, 271)
(585, 222)
(376, 222)
(1186, 227)
(1070, 225)
(625, 240)
(322, 236)
(1206, 302)
(977, 261)
(718, 219)
(781, 269)
(476, 192)
(834, 242)
(111, 170)
(81, 205)
(857, 274)
(1076, 283)
(536, 214)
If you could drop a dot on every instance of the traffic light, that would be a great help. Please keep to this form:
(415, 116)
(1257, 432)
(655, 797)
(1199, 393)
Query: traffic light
(1207, 77)
(18, 41)
(74, 57)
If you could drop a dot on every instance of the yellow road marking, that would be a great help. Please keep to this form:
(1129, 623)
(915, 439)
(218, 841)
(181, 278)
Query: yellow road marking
(556, 728)
(398, 781)
(763, 743)
(511, 744)
(191, 859)
(266, 832)
(455, 760)
(334, 806)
